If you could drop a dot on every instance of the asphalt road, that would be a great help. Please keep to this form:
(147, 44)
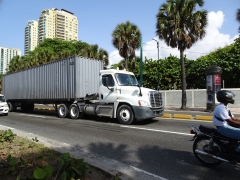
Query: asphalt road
(160, 147)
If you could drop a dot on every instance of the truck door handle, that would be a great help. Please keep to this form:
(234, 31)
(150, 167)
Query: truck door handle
(101, 96)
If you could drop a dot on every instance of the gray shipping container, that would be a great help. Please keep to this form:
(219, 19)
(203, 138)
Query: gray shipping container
(65, 79)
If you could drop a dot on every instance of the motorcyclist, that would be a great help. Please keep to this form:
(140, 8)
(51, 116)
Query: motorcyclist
(224, 120)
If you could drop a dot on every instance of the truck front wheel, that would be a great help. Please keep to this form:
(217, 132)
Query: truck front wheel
(125, 114)
(74, 111)
(62, 110)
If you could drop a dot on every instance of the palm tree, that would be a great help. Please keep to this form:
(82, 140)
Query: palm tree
(238, 18)
(126, 38)
(97, 53)
(180, 25)
(131, 63)
(15, 64)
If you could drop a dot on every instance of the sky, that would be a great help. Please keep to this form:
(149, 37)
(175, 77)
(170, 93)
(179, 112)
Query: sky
(97, 19)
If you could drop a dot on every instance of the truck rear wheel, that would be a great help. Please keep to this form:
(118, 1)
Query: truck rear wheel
(74, 111)
(12, 107)
(62, 110)
(125, 114)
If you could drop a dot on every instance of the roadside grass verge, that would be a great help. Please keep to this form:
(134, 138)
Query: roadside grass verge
(23, 159)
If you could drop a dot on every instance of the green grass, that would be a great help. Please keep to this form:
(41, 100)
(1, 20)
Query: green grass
(23, 159)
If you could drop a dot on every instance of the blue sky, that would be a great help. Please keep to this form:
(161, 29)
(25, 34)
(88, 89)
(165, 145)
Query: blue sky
(98, 18)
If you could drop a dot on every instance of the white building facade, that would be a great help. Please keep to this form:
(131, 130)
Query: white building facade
(6, 54)
(31, 36)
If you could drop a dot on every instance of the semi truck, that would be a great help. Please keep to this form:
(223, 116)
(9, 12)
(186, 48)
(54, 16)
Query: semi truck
(79, 86)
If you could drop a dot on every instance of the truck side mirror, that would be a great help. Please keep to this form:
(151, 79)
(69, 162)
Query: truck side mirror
(111, 89)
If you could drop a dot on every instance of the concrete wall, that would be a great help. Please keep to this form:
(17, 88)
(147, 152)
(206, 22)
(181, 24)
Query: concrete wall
(195, 98)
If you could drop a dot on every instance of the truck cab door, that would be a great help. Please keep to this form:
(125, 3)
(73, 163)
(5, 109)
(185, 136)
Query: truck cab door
(107, 92)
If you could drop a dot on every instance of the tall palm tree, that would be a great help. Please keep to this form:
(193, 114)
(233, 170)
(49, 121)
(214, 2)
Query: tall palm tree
(180, 25)
(126, 38)
(238, 18)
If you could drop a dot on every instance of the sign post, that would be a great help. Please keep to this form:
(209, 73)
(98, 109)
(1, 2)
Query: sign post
(213, 85)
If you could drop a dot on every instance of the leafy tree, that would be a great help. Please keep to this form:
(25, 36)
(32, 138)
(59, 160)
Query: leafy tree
(126, 38)
(179, 25)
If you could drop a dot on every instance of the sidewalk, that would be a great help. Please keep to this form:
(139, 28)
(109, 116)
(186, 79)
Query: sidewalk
(200, 109)
(193, 113)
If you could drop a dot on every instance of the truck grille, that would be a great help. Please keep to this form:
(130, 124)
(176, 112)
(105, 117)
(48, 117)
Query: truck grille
(155, 98)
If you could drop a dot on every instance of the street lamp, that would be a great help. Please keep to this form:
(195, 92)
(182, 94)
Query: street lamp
(157, 47)
(158, 87)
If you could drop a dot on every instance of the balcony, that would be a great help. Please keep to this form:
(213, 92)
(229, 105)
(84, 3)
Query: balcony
(60, 17)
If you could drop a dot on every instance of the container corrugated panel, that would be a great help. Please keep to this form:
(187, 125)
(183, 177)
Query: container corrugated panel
(69, 78)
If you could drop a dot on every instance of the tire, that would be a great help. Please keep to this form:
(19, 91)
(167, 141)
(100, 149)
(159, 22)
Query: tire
(12, 107)
(62, 111)
(125, 115)
(74, 111)
(202, 144)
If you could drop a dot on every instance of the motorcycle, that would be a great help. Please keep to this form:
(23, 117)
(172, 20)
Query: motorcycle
(211, 148)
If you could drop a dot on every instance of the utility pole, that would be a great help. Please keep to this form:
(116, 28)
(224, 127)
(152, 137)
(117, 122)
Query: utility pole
(141, 69)
(158, 87)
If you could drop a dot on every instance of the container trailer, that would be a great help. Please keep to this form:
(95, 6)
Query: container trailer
(79, 86)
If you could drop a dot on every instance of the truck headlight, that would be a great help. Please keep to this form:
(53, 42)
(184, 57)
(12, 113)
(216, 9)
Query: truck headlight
(143, 103)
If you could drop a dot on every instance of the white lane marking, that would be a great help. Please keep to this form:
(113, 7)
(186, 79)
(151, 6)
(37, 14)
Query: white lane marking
(157, 130)
(32, 115)
(6, 127)
(148, 173)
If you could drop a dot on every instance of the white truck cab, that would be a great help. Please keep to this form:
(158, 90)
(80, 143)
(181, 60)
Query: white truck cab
(3, 105)
(130, 101)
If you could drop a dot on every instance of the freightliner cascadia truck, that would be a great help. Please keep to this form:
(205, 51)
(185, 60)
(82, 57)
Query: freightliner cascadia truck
(79, 86)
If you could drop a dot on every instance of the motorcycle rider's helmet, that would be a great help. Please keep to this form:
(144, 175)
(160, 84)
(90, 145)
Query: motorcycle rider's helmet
(225, 96)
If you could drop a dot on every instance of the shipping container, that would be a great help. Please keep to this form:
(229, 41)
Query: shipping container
(66, 79)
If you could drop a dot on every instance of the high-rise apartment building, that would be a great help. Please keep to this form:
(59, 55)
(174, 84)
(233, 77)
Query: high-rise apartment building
(6, 54)
(54, 23)
(31, 36)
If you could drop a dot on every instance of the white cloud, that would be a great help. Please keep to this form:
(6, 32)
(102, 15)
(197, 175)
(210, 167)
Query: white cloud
(213, 40)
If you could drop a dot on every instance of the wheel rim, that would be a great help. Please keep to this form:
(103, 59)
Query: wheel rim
(203, 145)
(73, 111)
(125, 115)
(62, 111)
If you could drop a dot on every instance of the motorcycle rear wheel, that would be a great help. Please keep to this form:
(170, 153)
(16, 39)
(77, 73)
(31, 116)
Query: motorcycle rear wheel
(202, 144)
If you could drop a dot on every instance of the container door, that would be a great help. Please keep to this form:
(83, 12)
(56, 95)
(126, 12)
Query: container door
(107, 92)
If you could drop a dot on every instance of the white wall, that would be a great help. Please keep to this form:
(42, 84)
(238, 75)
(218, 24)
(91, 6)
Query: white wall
(195, 98)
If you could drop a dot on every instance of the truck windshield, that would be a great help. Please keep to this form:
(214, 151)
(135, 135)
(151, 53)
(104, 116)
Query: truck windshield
(2, 99)
(126, 79)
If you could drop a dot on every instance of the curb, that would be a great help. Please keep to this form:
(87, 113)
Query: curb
(186, 116)
(48, 109)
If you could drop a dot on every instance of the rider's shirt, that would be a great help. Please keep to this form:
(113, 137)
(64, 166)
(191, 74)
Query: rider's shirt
(220, 115)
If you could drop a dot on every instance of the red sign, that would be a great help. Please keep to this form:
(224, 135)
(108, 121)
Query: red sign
(217, 79)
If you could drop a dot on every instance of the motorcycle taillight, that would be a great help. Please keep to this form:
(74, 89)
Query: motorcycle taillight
(192, 132)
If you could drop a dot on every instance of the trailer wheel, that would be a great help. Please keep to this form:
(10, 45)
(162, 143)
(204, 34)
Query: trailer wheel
(62, 110)
(125, 115)
(12, 107)
(74, 111)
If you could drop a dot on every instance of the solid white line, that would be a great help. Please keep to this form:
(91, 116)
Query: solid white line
(33, 115)
(6, 127)
(157, 130)
(148, 173)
